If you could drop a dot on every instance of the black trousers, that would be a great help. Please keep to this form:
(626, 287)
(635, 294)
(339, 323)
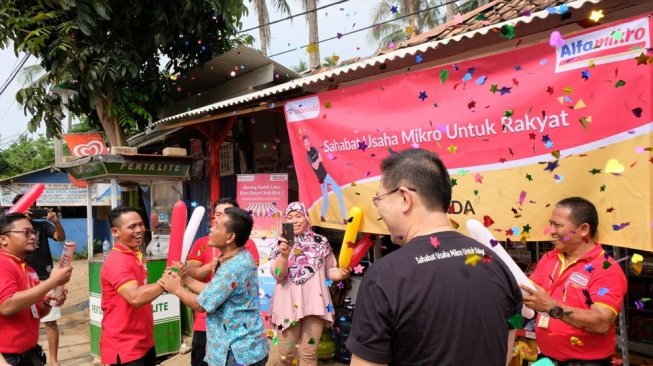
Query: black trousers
(33, 357)
(148, 360)
(198, 349)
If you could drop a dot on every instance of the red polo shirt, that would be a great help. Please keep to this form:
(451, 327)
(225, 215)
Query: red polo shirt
(203, 253)
(22, 329)
(565, 283)
(126, 330)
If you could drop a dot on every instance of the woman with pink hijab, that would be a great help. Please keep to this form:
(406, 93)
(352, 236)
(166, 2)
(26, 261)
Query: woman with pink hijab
(301, 304)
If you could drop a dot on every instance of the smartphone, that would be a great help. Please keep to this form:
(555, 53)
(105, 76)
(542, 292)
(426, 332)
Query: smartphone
(39, 213)
(289, 233)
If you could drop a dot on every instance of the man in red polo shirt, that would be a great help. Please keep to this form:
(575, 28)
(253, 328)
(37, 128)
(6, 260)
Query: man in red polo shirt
(580, 290)
(127, 324)
(200, 266)
(23, 299)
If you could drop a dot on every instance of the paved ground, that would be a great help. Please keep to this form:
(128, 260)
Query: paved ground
(74, 327)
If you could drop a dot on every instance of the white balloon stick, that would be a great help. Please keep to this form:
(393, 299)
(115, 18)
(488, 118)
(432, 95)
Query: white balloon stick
(481, 234)
(191, 230)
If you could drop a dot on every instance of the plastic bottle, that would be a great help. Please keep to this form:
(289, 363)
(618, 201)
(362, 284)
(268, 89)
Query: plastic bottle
(106, 247)
(343, 329)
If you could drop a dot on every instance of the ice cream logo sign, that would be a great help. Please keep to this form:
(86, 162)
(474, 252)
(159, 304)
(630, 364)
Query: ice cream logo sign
(620, 42)
(302, 109)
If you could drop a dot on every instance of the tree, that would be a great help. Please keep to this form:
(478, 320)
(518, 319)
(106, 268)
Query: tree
(109, 52)
(26, 155)
(301, 67)
(263, 16)
(408, 25)
(414, 17)
(313, 34)
(331, 60)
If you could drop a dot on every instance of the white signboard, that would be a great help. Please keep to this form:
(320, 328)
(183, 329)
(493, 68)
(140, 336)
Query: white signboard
(58, 194)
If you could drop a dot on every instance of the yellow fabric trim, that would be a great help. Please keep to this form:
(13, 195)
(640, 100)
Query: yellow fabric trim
(607, 306)
(126, 283)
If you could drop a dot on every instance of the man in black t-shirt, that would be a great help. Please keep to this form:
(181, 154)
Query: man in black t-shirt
(442, 298)
(315, 159)
(41, 261)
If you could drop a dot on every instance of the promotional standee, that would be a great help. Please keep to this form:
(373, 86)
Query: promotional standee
(518, 131)
(266, 197)
(153, 186)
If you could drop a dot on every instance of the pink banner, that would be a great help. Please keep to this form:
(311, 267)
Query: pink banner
(538, 122)
(266, 197)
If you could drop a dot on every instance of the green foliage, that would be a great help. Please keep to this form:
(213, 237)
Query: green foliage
(301, 67)
(109, 52)
(26, 155)
(396, 31)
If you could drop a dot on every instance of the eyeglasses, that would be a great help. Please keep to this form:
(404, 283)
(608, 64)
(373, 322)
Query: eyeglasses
(26, 232)
(376, 199)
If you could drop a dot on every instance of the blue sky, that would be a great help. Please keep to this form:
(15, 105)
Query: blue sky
(286, 35)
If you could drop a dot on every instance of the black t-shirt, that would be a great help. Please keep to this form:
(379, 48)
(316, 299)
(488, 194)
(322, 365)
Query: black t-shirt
(425, 306)
(41, 259)
(312, 158)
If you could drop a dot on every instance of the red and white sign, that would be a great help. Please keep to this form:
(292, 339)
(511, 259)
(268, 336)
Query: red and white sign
(516, 131)
(265, 196)
(86, 144)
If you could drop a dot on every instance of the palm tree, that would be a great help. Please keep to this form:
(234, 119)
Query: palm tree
(301, 67)
(420, 20)
(313, 36)
(331, 60)
(263, 15)
(417, 23)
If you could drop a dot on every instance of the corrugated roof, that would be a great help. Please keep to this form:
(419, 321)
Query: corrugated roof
(497, 9)
(241, 59)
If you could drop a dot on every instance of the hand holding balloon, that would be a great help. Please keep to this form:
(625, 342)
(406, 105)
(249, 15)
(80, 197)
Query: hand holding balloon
(481, 234)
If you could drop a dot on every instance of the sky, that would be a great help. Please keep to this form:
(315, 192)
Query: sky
(286, 35)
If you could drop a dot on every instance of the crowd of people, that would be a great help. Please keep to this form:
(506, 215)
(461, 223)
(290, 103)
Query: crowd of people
(438, 311)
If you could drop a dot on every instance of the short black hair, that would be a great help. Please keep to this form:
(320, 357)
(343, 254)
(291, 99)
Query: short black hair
(16, 198)
(115, 214)
(225, 201)
(581, 211)
(422, 170)
(7, 221)
(240, 223)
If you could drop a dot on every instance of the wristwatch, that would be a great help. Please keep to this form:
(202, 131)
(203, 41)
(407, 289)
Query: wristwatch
(556, 312)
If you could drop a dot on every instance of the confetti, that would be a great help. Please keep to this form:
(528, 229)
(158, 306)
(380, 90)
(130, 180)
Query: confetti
(487, 221)
(589, 268)
(556, 40)
(517, 321)
(602, 291)
(452, 149)
(612, 166)
(596, 15)
(637, 112)
(507, 31)
(435, 242)
(619, 84)
(620, 226)
(472, 259)
(444, 75)
(422, 95)
(359, 269)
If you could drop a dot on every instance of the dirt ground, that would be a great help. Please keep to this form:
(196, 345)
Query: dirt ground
(74, 327)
